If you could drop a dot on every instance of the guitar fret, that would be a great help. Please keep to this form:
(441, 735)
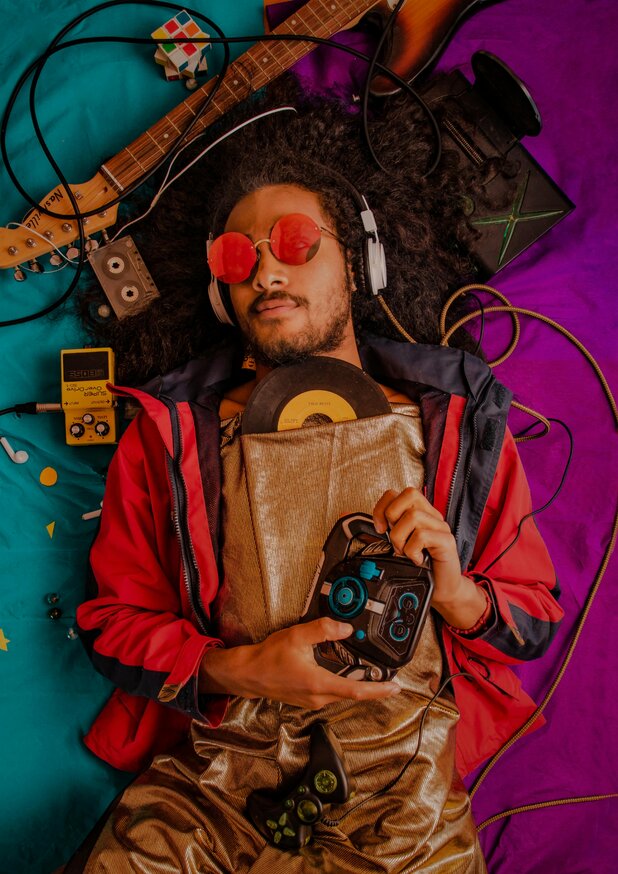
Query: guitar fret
(315, 25)
(155, 142)
(260, 64)
(126, 149)
(336, 12)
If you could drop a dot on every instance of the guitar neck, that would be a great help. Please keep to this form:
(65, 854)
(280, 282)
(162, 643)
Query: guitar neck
(262, 63)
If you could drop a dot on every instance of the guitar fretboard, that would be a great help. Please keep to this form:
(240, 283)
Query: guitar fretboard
(262, 63)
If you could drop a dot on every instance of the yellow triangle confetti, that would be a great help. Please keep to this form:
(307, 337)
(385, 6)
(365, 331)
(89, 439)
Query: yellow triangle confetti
(50, 528)
(3, 641)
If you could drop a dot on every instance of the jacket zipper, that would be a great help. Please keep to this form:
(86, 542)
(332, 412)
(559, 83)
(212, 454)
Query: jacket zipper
(456, 468)
(466, 475)
(179, 493)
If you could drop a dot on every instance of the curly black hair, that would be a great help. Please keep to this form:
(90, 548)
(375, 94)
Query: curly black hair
(421, 222)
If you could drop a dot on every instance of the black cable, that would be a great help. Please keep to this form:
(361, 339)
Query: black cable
(397, 778)
(55, 46)
(482, 326)
(37, 66)
(367, 86)
(548, 503)
(214, 40)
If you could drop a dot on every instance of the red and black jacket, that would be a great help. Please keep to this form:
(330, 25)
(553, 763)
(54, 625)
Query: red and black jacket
(156, 557)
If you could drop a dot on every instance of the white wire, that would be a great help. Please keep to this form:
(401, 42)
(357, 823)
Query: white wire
(165, 184)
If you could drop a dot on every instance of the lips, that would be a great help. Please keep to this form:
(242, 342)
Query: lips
(275, 304)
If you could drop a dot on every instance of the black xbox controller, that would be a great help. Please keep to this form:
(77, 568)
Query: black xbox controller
(287, 822)
(385, 598)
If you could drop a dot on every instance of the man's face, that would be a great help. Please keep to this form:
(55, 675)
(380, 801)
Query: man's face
(288, 312)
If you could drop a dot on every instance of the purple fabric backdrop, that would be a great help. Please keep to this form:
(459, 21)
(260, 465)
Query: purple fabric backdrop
(565, 52)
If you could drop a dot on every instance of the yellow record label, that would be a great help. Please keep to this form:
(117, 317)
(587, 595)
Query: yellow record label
(316, 406)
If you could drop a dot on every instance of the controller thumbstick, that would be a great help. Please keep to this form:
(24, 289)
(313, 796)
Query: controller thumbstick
(325, 782)
(307, 810)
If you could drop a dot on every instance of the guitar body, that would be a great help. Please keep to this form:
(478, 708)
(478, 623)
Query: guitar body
(420, 33)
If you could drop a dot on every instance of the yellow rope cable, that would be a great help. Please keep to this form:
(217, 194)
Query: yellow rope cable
(548, 321)
(571, 648)
(391, 316)
(446, 335)
(508, 308)
(490, 290)
(539, 805)
(535, 415)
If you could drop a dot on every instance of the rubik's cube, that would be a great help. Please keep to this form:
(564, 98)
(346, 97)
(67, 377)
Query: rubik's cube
(181, 59)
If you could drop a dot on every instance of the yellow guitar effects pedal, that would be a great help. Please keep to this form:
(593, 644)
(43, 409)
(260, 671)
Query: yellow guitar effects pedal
(88, 405)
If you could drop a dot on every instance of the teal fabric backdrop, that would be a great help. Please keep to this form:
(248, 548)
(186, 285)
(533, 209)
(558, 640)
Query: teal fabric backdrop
(92, 100)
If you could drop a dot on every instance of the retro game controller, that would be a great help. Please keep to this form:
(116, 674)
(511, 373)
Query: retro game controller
(287, 822)
(385, 597)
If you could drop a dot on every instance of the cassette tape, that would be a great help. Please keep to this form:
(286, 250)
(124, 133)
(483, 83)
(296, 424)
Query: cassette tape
(124, 277)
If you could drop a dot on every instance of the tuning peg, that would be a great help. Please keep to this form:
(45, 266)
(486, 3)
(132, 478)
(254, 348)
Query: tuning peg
(91, 244)
(72, 252)
(35, 266)
(55, 260)
(19, 275)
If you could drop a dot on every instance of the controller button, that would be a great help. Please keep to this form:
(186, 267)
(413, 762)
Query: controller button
(360, 634)
(408, 602)
(325, 782)
(398, 631)
(302, 789)
(369, 570)
(288, 803)
(277, 837)
(307, 810)
(272, 825)
(283, 819)
(345, 597)
(289, 832)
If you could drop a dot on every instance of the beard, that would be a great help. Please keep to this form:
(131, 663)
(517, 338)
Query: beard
(276, 351)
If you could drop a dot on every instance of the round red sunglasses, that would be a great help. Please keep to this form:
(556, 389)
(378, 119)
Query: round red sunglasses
(294, 239)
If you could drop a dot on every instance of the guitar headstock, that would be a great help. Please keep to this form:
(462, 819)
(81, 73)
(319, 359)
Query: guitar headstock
(41, 233)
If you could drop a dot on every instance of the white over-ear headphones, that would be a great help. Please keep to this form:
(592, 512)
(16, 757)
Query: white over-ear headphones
(374, 260)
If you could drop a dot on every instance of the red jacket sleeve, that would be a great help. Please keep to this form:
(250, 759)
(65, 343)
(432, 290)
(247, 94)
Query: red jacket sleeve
(136, 628)
(520, 580)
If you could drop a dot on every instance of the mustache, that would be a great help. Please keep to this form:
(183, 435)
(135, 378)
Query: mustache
(277, 295)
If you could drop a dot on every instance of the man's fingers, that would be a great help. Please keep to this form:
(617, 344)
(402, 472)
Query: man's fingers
(414, 523)
(380, 522)
(358, 690)
(392, 505)
(321, 630)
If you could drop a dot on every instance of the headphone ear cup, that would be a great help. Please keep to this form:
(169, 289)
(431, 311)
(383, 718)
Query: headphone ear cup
(220, 302)
(375, 266)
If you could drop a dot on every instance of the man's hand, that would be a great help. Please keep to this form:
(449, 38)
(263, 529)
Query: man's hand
(283, 668)
(414, 525)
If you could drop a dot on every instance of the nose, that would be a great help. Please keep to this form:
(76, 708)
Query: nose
(269, 272)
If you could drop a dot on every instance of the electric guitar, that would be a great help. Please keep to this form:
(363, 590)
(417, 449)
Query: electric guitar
(420, 34)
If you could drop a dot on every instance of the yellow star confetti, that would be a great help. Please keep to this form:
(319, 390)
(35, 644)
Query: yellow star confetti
(50, 528)
(3, 641)
(48, 476)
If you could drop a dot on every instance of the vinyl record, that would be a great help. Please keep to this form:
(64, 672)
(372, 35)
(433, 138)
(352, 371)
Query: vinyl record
(314, 392)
